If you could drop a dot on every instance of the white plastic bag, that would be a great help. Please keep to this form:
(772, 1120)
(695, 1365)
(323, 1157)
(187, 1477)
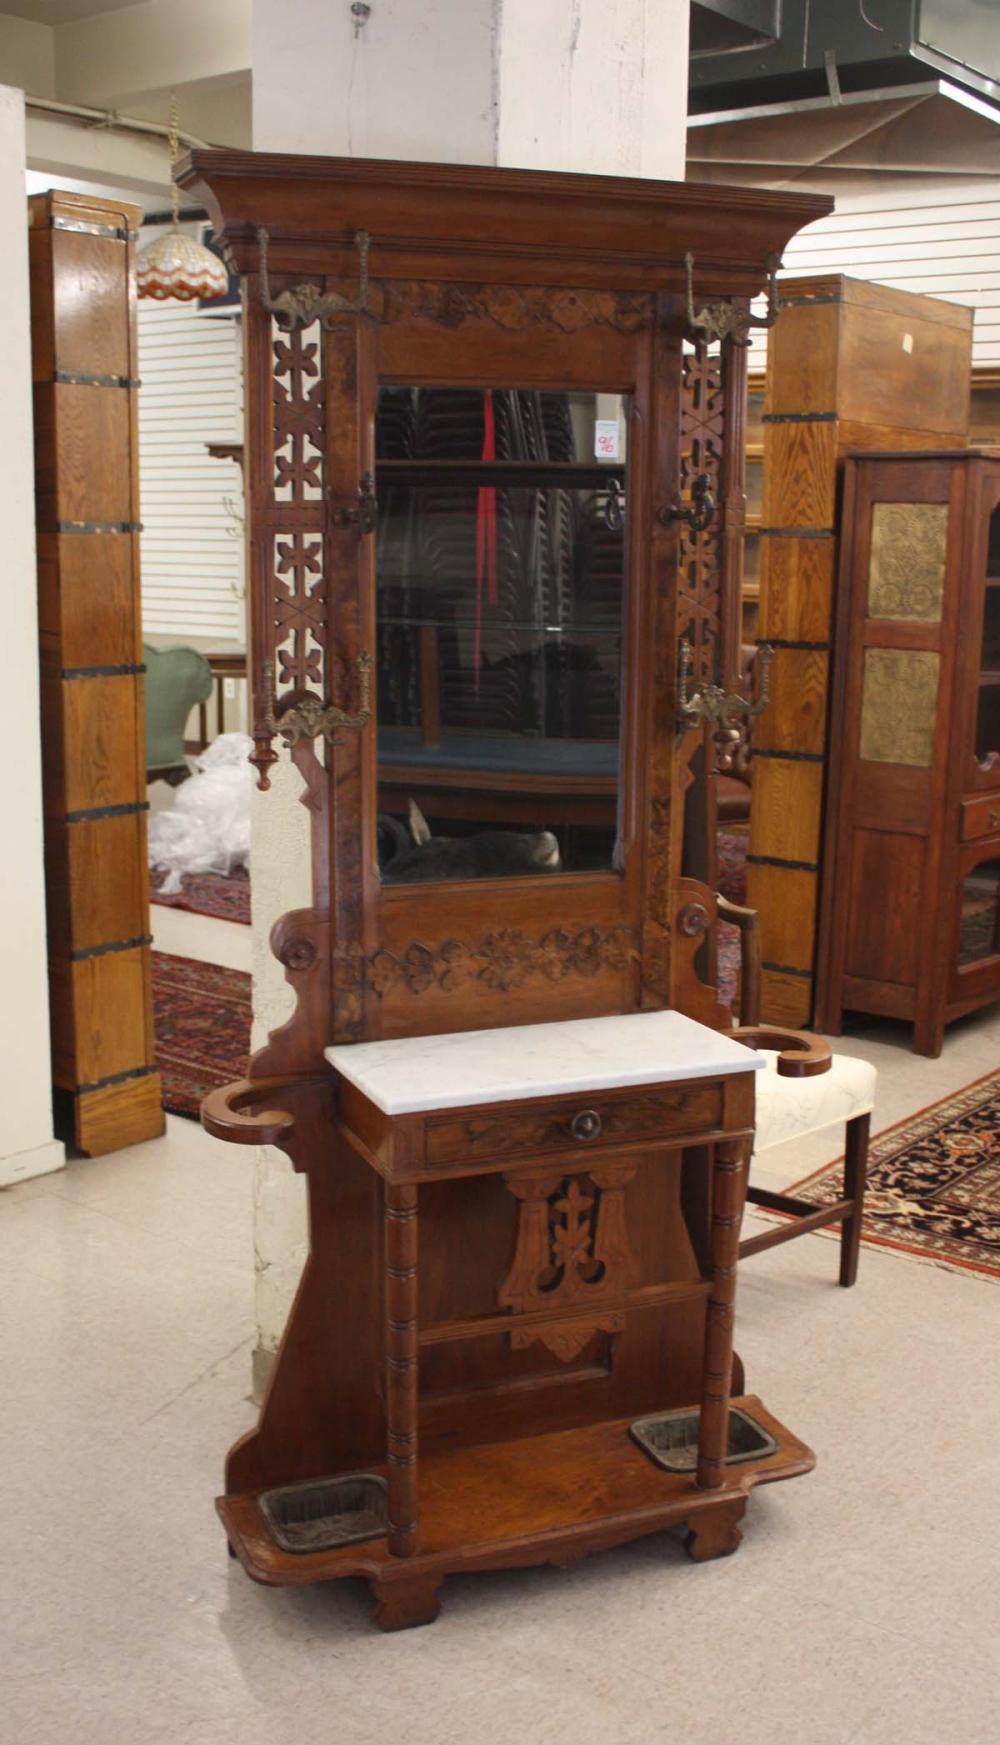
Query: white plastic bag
(207, 829)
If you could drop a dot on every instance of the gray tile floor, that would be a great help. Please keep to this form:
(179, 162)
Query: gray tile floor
(862, 1606)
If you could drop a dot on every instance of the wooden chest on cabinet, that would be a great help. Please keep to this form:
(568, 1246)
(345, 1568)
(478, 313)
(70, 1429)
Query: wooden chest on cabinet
(911, 904)
(850, 366)
(107, 1088)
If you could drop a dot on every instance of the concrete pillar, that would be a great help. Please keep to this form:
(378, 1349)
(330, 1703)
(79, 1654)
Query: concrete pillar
(27, 1147)
(592, 85)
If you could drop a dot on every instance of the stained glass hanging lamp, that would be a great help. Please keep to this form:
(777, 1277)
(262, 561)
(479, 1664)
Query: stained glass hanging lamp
(176, 265)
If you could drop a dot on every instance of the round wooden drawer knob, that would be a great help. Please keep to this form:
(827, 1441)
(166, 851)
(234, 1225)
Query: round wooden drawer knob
(587, 1124)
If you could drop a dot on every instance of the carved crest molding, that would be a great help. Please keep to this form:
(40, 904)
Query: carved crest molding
(502, 960)
(515, 308)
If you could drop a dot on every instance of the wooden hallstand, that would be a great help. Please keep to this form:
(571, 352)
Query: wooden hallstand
(495, 486)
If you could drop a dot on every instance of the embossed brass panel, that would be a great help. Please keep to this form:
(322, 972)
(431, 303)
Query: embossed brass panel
(907, 563)
(899, 706)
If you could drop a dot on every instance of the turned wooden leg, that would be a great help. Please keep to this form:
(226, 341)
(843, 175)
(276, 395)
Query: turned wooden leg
(401, 1371)
(855, 1179)
(406, 1604)
(732, 1158)
(716, 1532)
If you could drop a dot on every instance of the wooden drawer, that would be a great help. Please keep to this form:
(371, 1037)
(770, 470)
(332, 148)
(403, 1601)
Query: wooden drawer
(980, 817)
(570, 1124)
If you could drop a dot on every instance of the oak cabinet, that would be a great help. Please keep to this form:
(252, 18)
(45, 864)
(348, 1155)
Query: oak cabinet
(912, 881)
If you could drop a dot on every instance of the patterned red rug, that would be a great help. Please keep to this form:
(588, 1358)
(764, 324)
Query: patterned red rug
(201, 1016)
(934, 1182)
(226, 896)
(731, 848)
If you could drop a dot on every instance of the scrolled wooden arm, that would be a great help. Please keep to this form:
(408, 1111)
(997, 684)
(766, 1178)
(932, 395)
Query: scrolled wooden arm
(748, 922)
(799, 1056)
(222, 1112)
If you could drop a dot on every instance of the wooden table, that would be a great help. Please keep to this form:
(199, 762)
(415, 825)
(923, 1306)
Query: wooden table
(227, 664)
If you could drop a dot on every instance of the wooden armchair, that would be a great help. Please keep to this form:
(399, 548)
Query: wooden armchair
(805, 1089)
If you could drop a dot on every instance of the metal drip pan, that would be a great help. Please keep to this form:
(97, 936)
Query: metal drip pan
(326, 1512)
(671, 1438)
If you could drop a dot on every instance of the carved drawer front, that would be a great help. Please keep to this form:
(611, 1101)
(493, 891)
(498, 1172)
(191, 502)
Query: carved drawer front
(980, 817)
(585, 1125)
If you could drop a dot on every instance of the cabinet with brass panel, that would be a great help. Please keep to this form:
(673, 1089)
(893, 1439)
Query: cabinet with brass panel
(912, 887)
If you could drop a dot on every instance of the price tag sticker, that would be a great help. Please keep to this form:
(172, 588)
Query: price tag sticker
(606, 438)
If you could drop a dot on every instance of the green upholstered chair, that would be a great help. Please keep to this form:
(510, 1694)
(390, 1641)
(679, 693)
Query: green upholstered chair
(176, 680)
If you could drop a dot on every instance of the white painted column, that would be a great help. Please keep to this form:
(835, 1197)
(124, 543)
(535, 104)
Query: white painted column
(592, 85)
(27, 1147)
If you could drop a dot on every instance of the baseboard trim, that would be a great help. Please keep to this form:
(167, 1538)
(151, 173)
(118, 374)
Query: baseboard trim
(23, 1166)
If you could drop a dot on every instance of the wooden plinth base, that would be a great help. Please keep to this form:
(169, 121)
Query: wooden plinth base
(552, 1498)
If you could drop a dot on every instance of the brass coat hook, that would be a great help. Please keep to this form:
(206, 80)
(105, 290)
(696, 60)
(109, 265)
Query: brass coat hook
(712, 703)
(719, 321)
(303, 304)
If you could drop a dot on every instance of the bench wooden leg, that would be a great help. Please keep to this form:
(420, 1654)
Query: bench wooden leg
(855, 1179)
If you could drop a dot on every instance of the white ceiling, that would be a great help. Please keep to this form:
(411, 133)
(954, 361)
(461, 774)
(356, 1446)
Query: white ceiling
(62, 11)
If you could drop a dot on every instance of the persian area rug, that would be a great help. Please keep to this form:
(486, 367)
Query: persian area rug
(201, 1018)
(226, 896)
(731, 848)
(933, 1182)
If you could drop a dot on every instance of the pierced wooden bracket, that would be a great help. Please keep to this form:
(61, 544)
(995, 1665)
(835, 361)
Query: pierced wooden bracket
(572, 1250)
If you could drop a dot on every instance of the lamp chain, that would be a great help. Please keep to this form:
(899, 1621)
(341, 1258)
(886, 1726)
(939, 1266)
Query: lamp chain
(175, 196)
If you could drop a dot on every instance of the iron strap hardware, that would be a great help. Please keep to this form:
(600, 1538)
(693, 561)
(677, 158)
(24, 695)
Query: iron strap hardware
(115, 232)
(719, 321)
(364, 513)
(779, 860)
(80, 379)
(712, 703)
(301, 305)
(700, 512)
(87, 951)
(309, 718)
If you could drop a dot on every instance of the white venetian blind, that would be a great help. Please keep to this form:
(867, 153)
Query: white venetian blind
(944, 246)
(192, 551)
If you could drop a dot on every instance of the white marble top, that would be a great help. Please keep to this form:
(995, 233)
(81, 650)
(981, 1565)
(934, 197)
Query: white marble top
(537, 1060)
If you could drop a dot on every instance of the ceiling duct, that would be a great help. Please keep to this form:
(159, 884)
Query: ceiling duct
(833, 47)
(725, 27)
